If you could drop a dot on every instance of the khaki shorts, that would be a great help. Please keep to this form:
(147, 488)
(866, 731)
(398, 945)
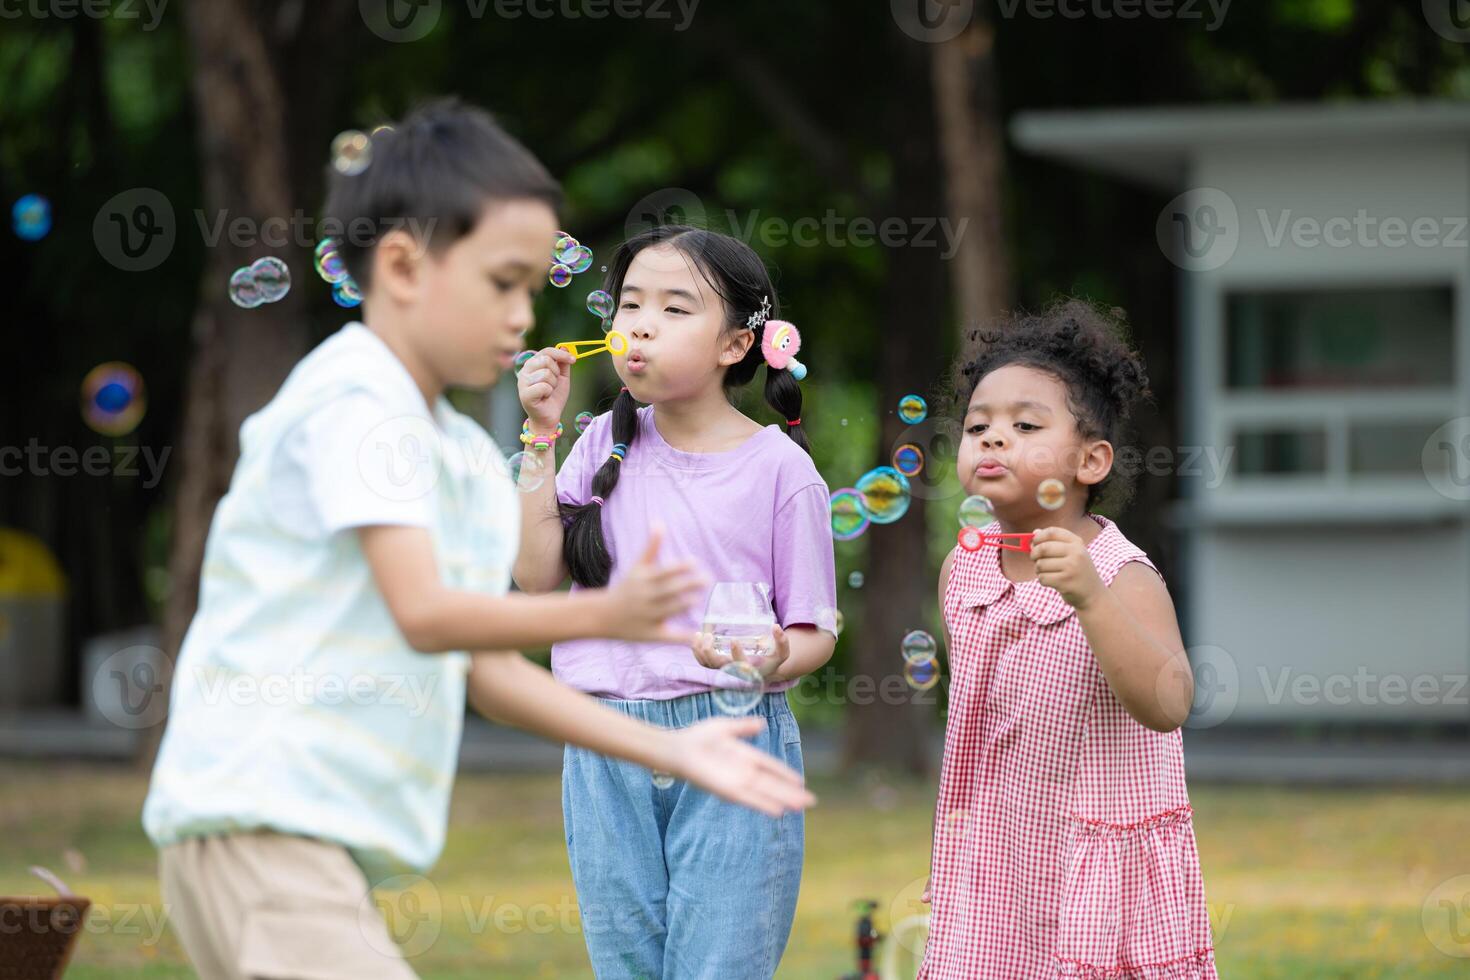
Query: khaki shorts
(267, 905)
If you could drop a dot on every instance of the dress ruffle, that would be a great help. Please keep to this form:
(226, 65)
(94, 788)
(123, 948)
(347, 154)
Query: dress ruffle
(1133, 905)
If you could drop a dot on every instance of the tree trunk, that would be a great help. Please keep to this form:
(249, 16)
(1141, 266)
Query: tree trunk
(972, 141)
(241, 356)
(888, 731)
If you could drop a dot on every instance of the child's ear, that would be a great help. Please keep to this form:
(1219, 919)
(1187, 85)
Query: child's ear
(737, 347)
(397, 264)
(1096, 463)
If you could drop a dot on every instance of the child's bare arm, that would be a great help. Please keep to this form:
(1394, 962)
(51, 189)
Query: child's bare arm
(1135, 637)
(509, 688)
(544, 385)
(434, 617)
(1130, 625)
(539, 565)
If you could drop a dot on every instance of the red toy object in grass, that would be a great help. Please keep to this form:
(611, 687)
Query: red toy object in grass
(973, 539)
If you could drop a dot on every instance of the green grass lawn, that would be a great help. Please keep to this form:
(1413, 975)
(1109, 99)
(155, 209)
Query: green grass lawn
(1302, 883)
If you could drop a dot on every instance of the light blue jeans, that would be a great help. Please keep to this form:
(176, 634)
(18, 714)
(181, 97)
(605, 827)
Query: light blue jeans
(675, 884)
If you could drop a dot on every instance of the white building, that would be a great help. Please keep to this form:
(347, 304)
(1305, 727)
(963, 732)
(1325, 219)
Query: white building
(1323, 263)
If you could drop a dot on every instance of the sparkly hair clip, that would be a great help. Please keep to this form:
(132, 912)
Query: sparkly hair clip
(758, 319)
(780, 345)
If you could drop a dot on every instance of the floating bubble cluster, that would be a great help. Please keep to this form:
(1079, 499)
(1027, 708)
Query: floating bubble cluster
(31, 217)
(527, 471)
(600, 304)
(352, 152)
(976, 511)
(908, 459)
(912, 409)
(113, 398)
(885, 494)
(1051, 494)
(747, 692)
(263, 281)
(849, 518)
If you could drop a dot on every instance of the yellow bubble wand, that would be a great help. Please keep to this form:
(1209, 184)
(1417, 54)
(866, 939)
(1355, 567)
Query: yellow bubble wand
(614, 343)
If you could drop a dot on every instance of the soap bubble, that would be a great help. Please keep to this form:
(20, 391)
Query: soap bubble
(272, 278)
(1051, 494)
(560, 276)
(855, 580)
(908, 459)
(522, 358)
(913, 409)
(600, 304)
(113, 398)
(976, 512)
(584, 419)
(244, 290)
(346, 293)
(352, 152)
(921, 674)
(830, 619)
(849, 519)
(31, 217)
(564, 243)
(662, 780)
(885, 494)
(327, 261)
(578, 258)
(918, 645)
(750, 687)
(527, 471)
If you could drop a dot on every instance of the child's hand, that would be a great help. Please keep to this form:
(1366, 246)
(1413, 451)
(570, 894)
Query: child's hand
(708, 656)
(545, 384)
(1062, 563)
(650, 594)
(705, 652)
(712, 756)
(771, 662)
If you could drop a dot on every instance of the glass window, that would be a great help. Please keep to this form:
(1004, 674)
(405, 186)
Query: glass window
(1349, 338)
(1260, 452)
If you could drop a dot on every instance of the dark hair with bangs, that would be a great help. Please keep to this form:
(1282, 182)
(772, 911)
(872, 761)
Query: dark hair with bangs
(432, 174)
(1084, 347)
(738, 276)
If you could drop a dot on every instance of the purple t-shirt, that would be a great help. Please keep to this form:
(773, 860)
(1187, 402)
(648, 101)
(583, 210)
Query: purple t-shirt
(757, 513)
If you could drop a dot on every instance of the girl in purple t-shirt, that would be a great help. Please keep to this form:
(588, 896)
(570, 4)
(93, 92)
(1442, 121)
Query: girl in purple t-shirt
(672, 882)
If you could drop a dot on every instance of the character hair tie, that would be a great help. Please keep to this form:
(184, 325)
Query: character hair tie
(780, 345)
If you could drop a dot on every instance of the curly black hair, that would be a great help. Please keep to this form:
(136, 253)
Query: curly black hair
(1084, 347)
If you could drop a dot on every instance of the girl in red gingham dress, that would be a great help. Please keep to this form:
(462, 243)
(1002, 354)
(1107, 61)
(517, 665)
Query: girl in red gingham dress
(1063, 839)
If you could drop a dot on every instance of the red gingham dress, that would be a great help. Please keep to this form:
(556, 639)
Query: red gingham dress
(1063, 841)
